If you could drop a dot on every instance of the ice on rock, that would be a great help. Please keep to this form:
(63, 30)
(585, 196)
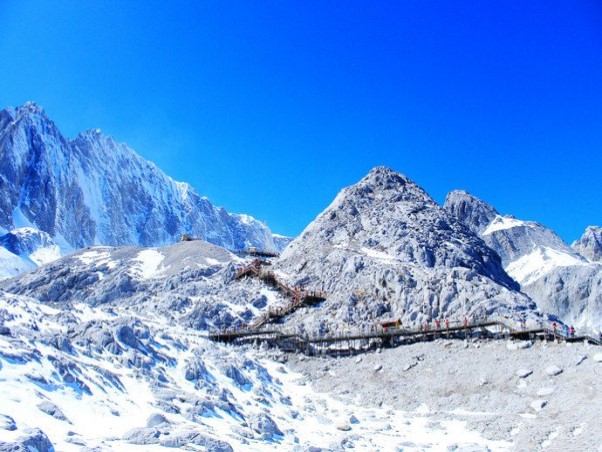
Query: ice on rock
(538, 405)
(7, 423)
(544, 392)
(31, 440)
(51, 409)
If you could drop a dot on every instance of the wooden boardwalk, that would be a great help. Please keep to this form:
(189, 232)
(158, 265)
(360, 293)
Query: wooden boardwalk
(365, 339)
(362, 340)
(297, 298)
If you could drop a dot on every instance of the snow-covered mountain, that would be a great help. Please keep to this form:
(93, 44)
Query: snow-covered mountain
(385, 248)
(556, 276)
(119, 334)
(91, 190)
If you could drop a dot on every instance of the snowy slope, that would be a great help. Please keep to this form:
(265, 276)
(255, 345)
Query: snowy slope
(130, 374)
(12, 265)
(556, 276)
(92, 190)
(31, 244)
(107, 332)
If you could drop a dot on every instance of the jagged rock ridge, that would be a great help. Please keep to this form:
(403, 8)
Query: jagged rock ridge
(590, 244)
(556, 276)
(384, 247)
(92, 190)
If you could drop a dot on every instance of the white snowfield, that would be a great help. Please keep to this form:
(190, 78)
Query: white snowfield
(501, 223)
(148, 263)
(541, 261)
(447, 395)
(85, 398)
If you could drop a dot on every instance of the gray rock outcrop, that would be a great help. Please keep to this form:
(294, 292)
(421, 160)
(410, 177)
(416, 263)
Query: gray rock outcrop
(590, 244)
(556, 276)
(385, 249)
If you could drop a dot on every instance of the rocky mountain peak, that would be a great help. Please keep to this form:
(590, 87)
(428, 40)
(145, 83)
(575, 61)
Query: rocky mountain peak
(92, 190)
(387, 240)
(385, 184)
(388, 212)
(470, 210)
(590, 244)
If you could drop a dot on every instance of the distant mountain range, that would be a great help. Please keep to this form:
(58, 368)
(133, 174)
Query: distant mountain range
(93, 191)
(563, 280)
(383, 247)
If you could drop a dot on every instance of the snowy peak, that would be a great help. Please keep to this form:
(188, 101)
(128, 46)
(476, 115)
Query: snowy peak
(470, 210)
(590, 244)
(92, 190)
(557, 277)
(511, 238)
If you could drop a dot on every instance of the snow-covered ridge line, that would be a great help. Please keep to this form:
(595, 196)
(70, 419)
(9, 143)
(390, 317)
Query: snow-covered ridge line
(564, 281)
(92, 190)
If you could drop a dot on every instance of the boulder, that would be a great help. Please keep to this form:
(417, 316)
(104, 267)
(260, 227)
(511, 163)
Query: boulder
(33, 440)
(523, 373)
(552, 371)
(7, 423)
(51, 409)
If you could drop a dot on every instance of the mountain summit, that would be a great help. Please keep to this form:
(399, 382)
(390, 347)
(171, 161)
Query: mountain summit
(384, 247)
(556, 276)
(92, 190)
(590, 244)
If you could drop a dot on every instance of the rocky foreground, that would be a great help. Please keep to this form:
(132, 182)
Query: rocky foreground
(516, 395)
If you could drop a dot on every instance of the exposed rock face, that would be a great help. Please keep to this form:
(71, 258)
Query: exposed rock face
(385, 248)
(32, 440)
(92, 190)
(471, 211)
(556, 276)
(590, 244)
(573, 293)
(512, 239)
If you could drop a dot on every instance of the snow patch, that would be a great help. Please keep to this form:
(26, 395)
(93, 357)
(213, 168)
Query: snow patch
(541, 261)
(500, 223)
(147, 263)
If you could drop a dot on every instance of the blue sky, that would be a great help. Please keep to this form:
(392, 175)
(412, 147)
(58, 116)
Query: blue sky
(270, 108)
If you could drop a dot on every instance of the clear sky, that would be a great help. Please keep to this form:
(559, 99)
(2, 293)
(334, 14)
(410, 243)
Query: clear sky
(270, 108)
